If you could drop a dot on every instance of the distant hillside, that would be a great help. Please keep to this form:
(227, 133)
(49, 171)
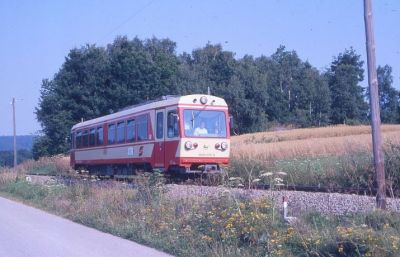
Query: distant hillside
(23, 142)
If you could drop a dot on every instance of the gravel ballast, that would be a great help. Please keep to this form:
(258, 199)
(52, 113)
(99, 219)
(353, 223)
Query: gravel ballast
(298, 202)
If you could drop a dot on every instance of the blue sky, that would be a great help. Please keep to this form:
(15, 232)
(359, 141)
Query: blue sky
(37, 35)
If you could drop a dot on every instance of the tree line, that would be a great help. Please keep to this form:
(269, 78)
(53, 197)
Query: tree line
(260, 91)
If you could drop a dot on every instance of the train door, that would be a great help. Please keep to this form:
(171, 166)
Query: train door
(159, 147)
(172, 138)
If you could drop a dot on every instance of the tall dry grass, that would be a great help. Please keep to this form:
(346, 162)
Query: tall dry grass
(305, 133)
(311, 142)
(7, 175)
(52, 165)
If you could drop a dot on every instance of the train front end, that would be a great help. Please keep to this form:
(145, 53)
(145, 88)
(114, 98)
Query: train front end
(205, 135)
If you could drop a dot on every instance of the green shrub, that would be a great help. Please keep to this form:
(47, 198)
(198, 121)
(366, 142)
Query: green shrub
(26, 191)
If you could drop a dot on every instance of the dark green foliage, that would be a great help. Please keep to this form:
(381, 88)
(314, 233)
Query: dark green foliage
(280, 89)
(42, 147)
(140, 70)
(260, 91)
(298, 94)
(348, 103)
(239, 82)
(77, 91)
(389, 97)
(95, 81)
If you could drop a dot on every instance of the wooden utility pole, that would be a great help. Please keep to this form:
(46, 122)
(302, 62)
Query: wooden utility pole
(374, 104)
(15, 134)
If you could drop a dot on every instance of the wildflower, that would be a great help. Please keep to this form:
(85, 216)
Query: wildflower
(266, 174)
(234, 178)
(206, 238)
(349, 231)
(340, 248)
(290, 231)
(229, 223)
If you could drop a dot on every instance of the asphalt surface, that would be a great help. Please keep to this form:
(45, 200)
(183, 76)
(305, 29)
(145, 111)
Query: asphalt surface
(29, 232)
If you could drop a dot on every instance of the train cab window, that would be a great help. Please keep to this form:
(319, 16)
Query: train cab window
(78, 139)
(92, 133)
(130, 131)
(172, 121)
(202, 123)
(142, 125)
(121, 132)
(160, 125)
(85, 139)
(99, 136)
(111, 134)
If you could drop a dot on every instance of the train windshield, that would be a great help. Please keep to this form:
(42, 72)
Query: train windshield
(198, 123)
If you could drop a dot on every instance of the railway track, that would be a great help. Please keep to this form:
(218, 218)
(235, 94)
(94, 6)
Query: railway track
(201, 181)
(303, 188)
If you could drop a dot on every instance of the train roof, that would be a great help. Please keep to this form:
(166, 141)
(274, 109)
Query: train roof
(154, 104)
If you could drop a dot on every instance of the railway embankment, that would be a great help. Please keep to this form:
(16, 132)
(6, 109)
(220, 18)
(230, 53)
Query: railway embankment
(299, 202)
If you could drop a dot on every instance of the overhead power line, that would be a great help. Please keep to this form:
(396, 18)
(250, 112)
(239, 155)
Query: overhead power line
(129, 18)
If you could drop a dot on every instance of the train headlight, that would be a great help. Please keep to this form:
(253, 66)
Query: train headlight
(195, 145)
(224, 145)
(188, 145)
(203, 99)
(217, 145)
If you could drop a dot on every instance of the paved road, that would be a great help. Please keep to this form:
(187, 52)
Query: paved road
(28, 232)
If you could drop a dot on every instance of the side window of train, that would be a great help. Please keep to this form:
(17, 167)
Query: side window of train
(99, 136)
(142, 126)
(121, 132)
(85, 138)
(173, 128)
(111, 134)
(130, 131)
(78, 139)
(160, 125)
(92, 134)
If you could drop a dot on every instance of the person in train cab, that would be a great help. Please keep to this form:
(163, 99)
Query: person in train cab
(202, 130)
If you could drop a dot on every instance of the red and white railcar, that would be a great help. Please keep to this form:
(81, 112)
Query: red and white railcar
(182, 134)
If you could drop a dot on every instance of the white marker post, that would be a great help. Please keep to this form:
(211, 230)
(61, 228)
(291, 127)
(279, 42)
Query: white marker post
(285, 211)
(284, 207)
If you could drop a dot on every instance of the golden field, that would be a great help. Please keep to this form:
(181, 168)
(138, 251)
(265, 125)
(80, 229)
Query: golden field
(309, 142)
